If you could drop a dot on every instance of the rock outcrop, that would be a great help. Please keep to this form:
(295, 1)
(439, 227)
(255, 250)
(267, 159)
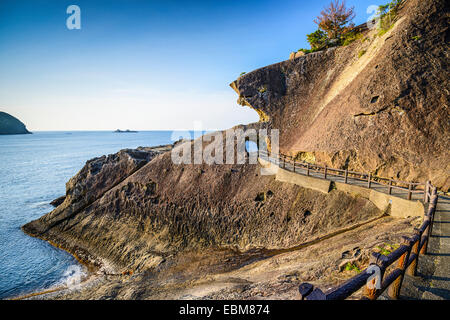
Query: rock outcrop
(97, 177)
(379, 105)
(163, 209)
(11, 125)
(58, 201)
(139, 212)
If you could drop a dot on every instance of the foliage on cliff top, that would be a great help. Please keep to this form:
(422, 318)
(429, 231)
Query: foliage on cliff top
(335, 20)
(333, 23)
(336, 29)
(387, 15)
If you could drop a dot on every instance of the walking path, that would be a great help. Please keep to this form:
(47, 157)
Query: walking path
(433, 272)
(401, 193)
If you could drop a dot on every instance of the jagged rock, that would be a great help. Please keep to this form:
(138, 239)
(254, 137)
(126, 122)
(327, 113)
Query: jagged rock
(294, 55)
(144, 213)
(384, 112)
(11, 125)
(165, 208)
(93, 180)
(58, 201)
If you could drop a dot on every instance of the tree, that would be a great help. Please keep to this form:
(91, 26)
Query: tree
(335, 19)
(317, 39)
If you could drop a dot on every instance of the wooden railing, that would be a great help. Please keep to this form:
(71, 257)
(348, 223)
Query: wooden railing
(291, 164)
(406, 256)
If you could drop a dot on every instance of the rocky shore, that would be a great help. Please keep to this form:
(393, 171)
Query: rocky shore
(159, 230)
(153, 229)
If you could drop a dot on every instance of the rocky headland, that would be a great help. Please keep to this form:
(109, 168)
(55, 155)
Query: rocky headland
(152, 229)
(11, 125)
(379, 105)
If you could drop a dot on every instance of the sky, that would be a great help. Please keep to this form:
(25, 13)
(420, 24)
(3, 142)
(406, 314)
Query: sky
(143, 65)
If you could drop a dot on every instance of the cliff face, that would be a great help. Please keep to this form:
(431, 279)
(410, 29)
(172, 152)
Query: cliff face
(163, 209)
(138, 211)
(172, 231)
(379, 105)
(90, 184)
(11, 125)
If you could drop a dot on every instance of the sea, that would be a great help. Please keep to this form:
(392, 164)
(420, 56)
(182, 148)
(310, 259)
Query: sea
(34, 169)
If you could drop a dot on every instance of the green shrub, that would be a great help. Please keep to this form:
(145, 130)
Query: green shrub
(352, 267)
(350, 36)
(387, 16)
(386, 249)
(317, 39)
(306, 51)
(361, 53)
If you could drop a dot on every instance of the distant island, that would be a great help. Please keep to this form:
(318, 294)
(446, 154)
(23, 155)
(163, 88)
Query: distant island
(125, 131)
(11, 125)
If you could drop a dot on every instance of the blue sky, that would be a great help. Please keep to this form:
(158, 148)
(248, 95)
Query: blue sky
(143, 65)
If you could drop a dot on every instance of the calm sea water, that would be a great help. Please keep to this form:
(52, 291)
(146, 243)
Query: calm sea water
(33, 171)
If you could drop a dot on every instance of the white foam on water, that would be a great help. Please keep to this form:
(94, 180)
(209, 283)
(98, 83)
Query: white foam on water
(41, 205)
(72, 277)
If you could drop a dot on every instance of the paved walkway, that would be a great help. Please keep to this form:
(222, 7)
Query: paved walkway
(440, 281)
(401, 193)
(433, 273)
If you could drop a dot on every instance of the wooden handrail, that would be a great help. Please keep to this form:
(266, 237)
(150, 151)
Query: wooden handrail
(347, 174)
(407, 256)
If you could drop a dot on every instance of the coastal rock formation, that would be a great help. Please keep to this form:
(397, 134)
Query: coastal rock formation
(58, 201)
(164, 208)
(11, 125)
(378, 105)
(91, 182)
(159, 226)
(295, 55)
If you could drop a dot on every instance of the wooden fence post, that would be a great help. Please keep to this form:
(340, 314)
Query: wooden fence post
(307, 169)
(394, 288)
(433, 203)
(372, 293)
(368, 181)
(390, 186)
(325, 172)
(409, 191)
(426, 234)
(425, 192)
(412, 269)
(346, 175)
(294, 165)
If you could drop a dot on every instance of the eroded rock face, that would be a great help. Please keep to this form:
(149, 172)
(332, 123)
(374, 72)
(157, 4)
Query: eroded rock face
(164, 209)
(379, 105)
(145, 213)
(101, 174)
(92, 181)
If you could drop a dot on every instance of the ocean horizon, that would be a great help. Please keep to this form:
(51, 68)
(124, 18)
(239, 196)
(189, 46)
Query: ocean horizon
(35, 169)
